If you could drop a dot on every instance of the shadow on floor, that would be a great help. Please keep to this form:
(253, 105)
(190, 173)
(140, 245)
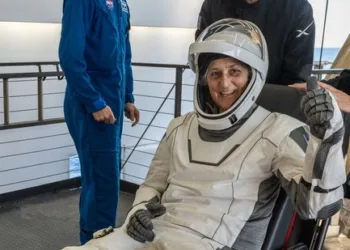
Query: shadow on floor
(46, 222)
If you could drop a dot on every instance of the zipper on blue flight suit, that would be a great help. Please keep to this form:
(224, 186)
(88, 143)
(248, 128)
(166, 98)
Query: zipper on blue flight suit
(119, 4)
(119, 15)
(121, 34)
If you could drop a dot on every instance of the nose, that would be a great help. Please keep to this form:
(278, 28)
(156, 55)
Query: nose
(225, 81)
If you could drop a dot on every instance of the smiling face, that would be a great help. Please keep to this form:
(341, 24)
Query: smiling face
(227, 79)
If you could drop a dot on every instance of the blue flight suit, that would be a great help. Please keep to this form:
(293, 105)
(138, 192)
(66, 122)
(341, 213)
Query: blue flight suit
(95, 56)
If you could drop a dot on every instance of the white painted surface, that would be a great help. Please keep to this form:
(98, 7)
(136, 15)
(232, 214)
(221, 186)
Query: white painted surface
(157, 13)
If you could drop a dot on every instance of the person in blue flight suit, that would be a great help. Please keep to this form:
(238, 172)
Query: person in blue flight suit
(95, 56)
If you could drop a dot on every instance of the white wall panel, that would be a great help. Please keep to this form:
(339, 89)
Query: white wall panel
(18, 103)
(28, 160)
(34, 172)
(31, 11)
(28, 42)
(21, 87)
(145, 157)
(52, 113)
(42, 180)
(164, 13)
(34, 156)
(23, 116)
(53, 85)
(35, 145)
(19, 135)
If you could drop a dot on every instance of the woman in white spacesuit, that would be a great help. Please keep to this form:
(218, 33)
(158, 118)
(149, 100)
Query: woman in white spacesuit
(216, 175)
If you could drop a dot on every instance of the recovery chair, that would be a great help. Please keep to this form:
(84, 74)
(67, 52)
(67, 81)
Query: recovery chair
(286, 230)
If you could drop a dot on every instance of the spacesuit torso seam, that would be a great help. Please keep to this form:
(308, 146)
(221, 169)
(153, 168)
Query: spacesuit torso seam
(222, 218)
(261, 137)
(177, 126)
(171, 160)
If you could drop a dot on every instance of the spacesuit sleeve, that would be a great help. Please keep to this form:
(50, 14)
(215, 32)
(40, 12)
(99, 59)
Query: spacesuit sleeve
(129, 97)
(203, 18)
(76, 23)
(299, 51)
(156, 180)
(312, 173)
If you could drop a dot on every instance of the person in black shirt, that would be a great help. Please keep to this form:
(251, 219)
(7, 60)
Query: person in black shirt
(288, 26)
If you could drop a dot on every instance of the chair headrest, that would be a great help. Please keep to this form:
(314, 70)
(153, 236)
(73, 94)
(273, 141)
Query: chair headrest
(282, 99)
(286, 100)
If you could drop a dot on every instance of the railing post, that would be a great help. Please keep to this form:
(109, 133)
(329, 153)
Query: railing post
(178, 92)
(319, 76)
(40, 99)
(5, 89)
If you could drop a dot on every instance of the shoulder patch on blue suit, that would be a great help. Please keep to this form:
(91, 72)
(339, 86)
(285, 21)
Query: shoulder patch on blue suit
(124, 6)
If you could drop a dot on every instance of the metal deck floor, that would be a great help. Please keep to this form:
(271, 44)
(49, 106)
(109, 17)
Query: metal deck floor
(50, 222)
(46, 222)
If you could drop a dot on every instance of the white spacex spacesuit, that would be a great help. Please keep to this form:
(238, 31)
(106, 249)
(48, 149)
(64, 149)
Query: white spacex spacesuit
(218, 175)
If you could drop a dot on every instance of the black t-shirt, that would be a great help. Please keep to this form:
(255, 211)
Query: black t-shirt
(288, 27)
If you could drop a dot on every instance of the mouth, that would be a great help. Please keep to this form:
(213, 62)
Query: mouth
(227, 93)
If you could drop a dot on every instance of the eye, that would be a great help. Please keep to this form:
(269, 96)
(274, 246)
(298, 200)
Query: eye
(214, 74)
(235, 72)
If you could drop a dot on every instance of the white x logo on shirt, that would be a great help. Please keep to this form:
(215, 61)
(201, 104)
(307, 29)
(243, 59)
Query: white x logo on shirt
(303, 32)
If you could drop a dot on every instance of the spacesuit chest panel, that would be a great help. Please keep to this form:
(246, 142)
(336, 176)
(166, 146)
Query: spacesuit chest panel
(217, 188)
(215, 153)
(226, 158)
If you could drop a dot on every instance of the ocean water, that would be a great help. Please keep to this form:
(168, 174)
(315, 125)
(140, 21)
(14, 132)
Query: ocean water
(328, 54)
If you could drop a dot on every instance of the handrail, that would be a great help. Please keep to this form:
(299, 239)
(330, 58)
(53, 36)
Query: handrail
(42, 75)
(60, 73)
(31, 74)
(154, 65)
(11, 64)
(326, 71)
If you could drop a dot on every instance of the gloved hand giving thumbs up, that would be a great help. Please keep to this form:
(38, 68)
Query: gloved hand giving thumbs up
(318, 107)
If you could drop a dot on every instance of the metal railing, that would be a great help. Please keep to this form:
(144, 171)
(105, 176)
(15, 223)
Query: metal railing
(40, 76)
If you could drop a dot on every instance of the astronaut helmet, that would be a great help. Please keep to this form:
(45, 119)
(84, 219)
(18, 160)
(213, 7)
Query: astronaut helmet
(240, 51)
